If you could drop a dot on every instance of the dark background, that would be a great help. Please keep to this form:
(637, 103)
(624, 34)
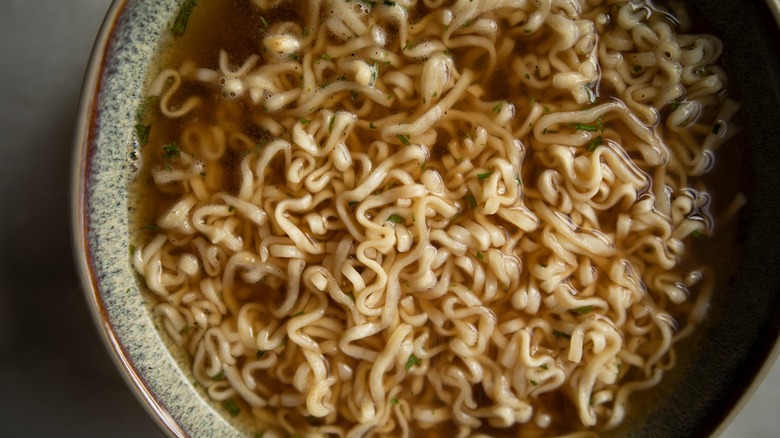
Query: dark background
(56, 378)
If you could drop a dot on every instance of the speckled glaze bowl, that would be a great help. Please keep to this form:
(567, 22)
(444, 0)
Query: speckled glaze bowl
(726, 361)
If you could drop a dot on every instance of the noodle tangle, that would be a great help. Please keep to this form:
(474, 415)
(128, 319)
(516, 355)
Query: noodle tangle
(401, 217)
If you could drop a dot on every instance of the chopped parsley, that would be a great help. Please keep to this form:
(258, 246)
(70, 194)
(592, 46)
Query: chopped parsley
(533, 382)
(531, 101)
(471, 201)
(218, 377)
(596, 142)
(304, 121)
(142, 131)
(133, 249)
(600, 124)
(583, 309)
(559, 334)
(696, 234)
(171, 150)
(395, 219)
(259, 354)
(298, 314)
(484, 175)
(325, 56)
(182, 17)
(637, 68)
(583, 127)
(352, 203)
(480, 256)
(544, 366)
(394, 400)
(231, 208)
(528, 75)
(305, 32)
(372, 125)
(497, 108)
(330, 124)
(412, 361)
(404, 139)
(232, 407)
(591, 95)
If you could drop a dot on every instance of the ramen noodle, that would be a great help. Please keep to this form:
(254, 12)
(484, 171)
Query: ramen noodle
(394, 218)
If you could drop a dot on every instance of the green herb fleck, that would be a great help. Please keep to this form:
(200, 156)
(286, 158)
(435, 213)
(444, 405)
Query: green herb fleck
(353, 94)
(180, 23)
(544, 366)
(455, 218)
(259, 354)
(544, 131)
(412, 361)
(600, 124)
(696, 234)
(404, 139)
(151, 227)
(531, 101)
(596, 142)
(583, 127)
(497, 108)
(394, 400)
(231, 208)
(372, 125)
(133, 249)
(395, 218)
(389, 97)
(232, 407)
(484, 175)
(591, 95)
(518, 181)
(298, 314)
(305, 32)
(142, 131)
(528, 76)
(533, 382)
(304, 121)
(674, 105)
(325, 56)
(637, 68)
(171, 150)
(352, 203)
(583, 309)
(447, 52)
(526, 31)
(330, 124)
(471, 201)
(218, 377)
(480, 256)
(558, 334)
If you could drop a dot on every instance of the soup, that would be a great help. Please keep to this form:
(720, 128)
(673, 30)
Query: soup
(396, 218)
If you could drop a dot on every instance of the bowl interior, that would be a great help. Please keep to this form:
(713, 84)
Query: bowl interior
(724, 357)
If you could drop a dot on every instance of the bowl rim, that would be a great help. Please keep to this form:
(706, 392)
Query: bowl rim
(84, 142)
(80, 167)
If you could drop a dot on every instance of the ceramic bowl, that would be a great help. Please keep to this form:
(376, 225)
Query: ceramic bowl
(733, 349)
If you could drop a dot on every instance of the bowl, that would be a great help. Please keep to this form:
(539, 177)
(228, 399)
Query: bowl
(726, 359)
